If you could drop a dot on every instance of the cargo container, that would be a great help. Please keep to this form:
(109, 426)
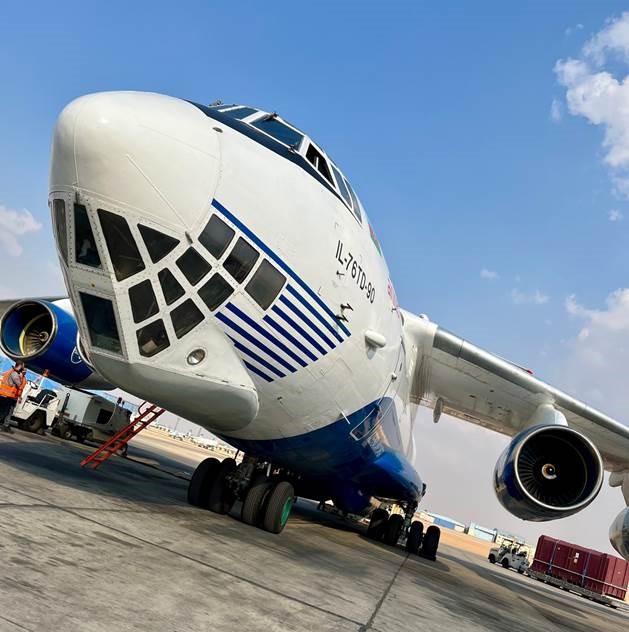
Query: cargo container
(587, 572)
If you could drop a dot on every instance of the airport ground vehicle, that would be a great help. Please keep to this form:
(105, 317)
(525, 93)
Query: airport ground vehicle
(69, 412)
(589, 573)
(509, 557)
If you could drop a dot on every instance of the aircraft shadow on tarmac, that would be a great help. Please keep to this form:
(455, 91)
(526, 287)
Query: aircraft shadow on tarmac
(58, 462)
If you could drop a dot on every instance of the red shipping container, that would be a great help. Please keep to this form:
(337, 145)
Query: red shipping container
(599, 572)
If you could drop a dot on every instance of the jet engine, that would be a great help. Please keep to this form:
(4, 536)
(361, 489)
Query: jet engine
(619, 533)
(45, 337)
(548, 472)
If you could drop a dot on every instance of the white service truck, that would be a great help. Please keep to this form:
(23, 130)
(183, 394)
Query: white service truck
(509, 557)
(68, 413)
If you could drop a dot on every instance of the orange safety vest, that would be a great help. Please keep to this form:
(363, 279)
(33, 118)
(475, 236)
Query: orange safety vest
(7, 389)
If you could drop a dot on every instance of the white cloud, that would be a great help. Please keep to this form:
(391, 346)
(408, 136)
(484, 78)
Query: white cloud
(489, 275)
(594, 93)
(615, 215)
(572, 29)
(556, 111)
(595, 367)
(534, 298)
(14, 224)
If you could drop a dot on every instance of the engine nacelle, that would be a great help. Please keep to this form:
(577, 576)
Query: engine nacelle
(44, 337)
(619, 533)
(548, 472)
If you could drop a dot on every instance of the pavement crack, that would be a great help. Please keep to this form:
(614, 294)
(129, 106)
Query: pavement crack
(385, 594)
(16, 624)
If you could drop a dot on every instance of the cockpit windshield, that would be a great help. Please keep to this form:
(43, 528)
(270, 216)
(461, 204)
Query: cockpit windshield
(273, 127)
(306, 154)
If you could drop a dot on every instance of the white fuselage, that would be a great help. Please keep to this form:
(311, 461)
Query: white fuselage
(160, 162)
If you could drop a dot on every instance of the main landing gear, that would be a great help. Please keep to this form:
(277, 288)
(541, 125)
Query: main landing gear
(267, 495)
(391, 529)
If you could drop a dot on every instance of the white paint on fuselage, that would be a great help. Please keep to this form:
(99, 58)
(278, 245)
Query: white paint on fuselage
(160, 161)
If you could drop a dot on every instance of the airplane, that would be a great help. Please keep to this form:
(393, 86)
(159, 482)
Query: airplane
(219, 264)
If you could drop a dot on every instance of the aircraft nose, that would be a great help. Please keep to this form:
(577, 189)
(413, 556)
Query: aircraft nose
(151, 153)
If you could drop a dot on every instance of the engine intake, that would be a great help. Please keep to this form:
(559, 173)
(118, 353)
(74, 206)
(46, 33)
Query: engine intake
(548, 472)
(44, 336)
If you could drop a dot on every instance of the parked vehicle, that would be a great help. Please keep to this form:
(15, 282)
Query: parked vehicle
(589, 573)
(69, 413)
(509, 557)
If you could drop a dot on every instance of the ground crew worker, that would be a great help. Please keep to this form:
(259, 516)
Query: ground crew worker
(11, 386)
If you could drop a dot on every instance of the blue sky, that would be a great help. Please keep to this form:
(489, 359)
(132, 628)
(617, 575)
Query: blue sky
(439, 114)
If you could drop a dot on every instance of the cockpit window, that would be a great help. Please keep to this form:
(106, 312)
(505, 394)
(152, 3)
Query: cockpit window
(342, 188)
(143, 301)
(152, 338)
(215, 291)
(59, 213)
(157, 244)
(185, 318)
(240, 260)
(193, 266)
(216, 236)
(84, 242)
(124, 253)
(273, 127)
(265, 284)
(170, 286)
(355, 202)
(239, 112)
(316, 159)
(101, 322)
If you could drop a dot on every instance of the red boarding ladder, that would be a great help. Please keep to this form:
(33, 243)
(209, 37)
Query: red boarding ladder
(147, 413)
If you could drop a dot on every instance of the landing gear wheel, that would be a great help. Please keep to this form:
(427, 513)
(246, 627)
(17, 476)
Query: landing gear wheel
(414, 539)
(377, 523)
(393, 529)
(199, 486)
(254, 501)
(505, 563)
(278, 507)
(220, 498)
(430, 543)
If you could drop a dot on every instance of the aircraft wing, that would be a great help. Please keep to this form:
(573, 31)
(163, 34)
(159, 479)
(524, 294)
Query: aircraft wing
(456, 377)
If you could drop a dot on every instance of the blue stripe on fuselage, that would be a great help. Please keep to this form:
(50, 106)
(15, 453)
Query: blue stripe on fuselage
(256, 240)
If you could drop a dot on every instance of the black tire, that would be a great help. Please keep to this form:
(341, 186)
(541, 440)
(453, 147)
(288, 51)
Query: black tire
(377, 523)
(414, 539)
(492, 558)
(430, 543)
(505, 563)
(520, 571)
(36, 422)
(393, 529)
(278, 507)
(199, 486)
(254, 502)
(220, 498)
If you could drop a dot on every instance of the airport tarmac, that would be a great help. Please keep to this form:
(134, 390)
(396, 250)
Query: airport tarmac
(120, 549)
